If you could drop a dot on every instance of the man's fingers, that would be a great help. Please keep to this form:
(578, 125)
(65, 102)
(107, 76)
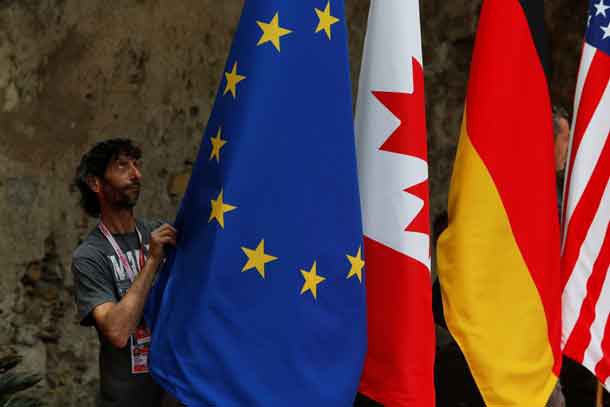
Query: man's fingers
(167, 238)
(165, 226)
(165, 234)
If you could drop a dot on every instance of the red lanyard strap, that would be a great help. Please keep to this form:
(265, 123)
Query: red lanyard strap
(131, 273)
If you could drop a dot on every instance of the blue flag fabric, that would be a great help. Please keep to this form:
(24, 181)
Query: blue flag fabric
(262, 303)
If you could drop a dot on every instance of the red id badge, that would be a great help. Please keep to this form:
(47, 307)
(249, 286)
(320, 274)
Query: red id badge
(140, 347)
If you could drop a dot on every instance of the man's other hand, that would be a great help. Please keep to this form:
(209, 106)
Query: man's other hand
(164, 234)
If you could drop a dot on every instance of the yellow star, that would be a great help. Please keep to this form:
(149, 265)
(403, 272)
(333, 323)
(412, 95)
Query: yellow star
(219, 208)
(357, 265)
(312, 279)
(233, 78)
(217, 144)
(326, 20)
(272, 32)
(257, 258)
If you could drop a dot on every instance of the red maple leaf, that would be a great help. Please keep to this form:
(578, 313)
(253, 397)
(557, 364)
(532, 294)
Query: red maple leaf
(421, 222)
(410, 137)
(410, 108)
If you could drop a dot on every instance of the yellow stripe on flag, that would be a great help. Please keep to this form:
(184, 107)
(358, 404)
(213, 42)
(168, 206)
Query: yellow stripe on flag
(490, 300)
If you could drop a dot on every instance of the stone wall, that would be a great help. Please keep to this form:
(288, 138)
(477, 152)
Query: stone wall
(76, 71)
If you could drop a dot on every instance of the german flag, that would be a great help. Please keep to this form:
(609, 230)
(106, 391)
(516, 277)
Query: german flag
(499, 258)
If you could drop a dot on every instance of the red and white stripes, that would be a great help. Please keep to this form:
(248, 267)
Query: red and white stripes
(586, 216)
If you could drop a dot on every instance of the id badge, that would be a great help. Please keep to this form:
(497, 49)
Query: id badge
(140, 347)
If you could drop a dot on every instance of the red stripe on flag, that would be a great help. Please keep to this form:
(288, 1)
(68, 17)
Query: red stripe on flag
(519, 156)
(595, 85)
(602, 370)
(584, 212)
(593, 90)
(581, 334)
(399, 367)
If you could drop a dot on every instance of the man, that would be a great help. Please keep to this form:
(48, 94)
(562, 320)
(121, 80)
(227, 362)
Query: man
(114, 268)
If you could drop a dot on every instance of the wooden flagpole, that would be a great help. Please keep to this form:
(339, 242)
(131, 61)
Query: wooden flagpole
(600, 395)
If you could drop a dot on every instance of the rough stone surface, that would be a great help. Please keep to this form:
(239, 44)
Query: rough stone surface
(73, 72)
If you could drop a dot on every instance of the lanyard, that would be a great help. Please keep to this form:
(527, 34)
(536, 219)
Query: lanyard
(130, 271)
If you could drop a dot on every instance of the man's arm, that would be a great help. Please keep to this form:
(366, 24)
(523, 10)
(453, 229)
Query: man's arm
(117, 321)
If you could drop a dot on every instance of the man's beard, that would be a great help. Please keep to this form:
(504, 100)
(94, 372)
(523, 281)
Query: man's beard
(125, 198)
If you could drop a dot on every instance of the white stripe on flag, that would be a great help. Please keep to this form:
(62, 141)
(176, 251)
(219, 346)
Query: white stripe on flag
(393, 37)
(588, 52)
(588, 152)
(575, 291)
(594, 352)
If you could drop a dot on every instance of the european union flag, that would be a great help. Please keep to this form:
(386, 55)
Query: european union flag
(263, 302)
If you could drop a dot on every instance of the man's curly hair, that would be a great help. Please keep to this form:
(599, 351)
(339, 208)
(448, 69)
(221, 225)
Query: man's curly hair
(94, 164)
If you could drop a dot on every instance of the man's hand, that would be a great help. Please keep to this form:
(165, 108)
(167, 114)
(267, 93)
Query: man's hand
(164, 234)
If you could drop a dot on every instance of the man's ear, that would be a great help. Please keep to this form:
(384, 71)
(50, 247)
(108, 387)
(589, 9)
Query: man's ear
(94, 184)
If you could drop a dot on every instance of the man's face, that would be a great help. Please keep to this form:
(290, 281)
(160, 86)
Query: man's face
(562, 140)
(120, 186)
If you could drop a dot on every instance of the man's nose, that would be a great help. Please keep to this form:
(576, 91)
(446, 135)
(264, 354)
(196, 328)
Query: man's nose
(135, 171)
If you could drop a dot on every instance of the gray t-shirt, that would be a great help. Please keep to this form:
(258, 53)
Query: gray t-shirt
(99, 277)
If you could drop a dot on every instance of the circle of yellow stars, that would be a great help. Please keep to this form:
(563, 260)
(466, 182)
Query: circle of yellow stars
(272, 32)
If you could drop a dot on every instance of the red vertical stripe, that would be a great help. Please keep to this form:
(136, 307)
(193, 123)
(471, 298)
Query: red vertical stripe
(583, 214)
(595, 85)
(602, 370)
(593, 89)
(399, 366)
(581, 334)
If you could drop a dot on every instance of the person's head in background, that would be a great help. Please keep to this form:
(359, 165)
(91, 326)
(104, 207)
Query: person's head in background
(561, 131)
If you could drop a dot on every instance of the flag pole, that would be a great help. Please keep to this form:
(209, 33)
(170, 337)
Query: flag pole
(600, 395)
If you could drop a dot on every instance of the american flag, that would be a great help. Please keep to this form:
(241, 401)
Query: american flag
(586, 212)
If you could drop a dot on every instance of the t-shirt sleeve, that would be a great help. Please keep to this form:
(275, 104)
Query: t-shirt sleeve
(94, 285)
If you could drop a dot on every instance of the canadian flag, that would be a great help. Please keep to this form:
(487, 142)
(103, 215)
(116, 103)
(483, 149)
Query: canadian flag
(393, 173)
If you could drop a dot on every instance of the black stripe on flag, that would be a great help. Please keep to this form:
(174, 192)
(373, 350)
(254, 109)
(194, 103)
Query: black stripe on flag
(534, 11)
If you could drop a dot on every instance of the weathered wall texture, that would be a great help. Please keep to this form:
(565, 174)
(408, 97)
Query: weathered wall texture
(76, 71)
